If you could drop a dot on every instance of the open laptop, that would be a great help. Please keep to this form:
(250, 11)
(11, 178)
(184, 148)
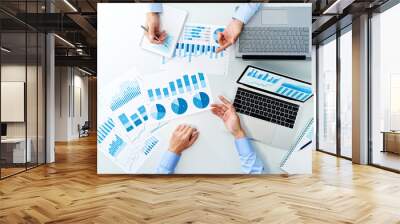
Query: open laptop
(277, 30)
(273, 107)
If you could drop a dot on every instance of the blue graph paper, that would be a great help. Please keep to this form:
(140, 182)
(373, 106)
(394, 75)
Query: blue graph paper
(104, 130)
(128, 91)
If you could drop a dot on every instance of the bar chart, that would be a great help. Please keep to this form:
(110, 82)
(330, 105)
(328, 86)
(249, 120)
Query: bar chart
(104, 130)
(173, 94)
(116, 145)
(130, 122)
(127, 91)
(196, 32)
(198, 46)
(199, 40)
(150, 144)
(264, 77)
(185, 84)
(295, 91)
(188, 51)
(279, 84)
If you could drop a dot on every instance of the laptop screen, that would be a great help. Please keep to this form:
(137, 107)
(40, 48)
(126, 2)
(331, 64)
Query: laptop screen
(272, 82)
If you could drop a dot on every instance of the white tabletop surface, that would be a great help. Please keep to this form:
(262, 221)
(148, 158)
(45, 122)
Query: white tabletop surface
(214, 151)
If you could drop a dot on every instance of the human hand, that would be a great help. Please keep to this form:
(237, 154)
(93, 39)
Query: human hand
(182, 138)
(153, 24)
(230, 34)
(226, 111)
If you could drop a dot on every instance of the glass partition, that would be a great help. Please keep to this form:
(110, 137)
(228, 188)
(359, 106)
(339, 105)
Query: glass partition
(22, 77)
(13, 108)
(385, 89)
(346, 93)
(327, 96)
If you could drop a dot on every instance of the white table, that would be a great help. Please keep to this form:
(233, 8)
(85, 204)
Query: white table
(19, 153)
(214, 151)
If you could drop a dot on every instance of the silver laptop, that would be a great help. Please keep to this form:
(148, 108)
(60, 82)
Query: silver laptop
(277, 30)
(273, 107)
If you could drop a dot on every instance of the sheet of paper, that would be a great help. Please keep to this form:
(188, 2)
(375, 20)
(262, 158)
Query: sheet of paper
(197, 47)
(300, 153)
(172, 94)
(124, 134)
(172, 20)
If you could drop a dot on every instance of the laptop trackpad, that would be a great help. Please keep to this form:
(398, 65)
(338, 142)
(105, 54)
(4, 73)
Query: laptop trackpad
(257, 129)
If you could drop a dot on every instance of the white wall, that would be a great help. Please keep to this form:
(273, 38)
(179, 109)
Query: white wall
(12, 73)
(71, 102)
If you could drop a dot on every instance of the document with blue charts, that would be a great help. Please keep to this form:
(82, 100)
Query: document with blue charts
(172, 20)
(278, 84)
(172, 94)
(197, 47)
(124, 134)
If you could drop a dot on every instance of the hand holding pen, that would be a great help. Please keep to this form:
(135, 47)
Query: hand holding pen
(152, 31)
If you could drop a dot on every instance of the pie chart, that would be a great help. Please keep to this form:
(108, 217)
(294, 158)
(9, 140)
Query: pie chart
(179, 106)
(158, 112)
(215, 34)
(201, 100)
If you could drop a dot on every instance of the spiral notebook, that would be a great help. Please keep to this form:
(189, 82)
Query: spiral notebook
(295, 160)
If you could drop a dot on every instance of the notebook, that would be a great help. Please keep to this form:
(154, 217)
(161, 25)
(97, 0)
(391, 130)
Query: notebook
(295, 160)
(172, 21)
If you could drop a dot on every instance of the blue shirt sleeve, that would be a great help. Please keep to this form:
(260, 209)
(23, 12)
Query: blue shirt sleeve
(251, 163)
(168, 163)
(155, 7)
(245, 11)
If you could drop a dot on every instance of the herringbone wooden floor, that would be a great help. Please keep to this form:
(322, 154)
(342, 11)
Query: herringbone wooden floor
(70, 191)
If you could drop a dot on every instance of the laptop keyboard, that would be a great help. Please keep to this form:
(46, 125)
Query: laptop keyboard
(285, 40)
(266, 108)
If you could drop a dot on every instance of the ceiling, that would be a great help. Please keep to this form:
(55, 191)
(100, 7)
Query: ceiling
(76, 22)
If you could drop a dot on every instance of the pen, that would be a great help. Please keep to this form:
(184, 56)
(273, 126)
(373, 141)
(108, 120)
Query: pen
(305, 145)
(147, 30)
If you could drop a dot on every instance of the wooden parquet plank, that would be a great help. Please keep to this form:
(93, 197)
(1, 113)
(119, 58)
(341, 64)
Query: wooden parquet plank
(70, 191)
